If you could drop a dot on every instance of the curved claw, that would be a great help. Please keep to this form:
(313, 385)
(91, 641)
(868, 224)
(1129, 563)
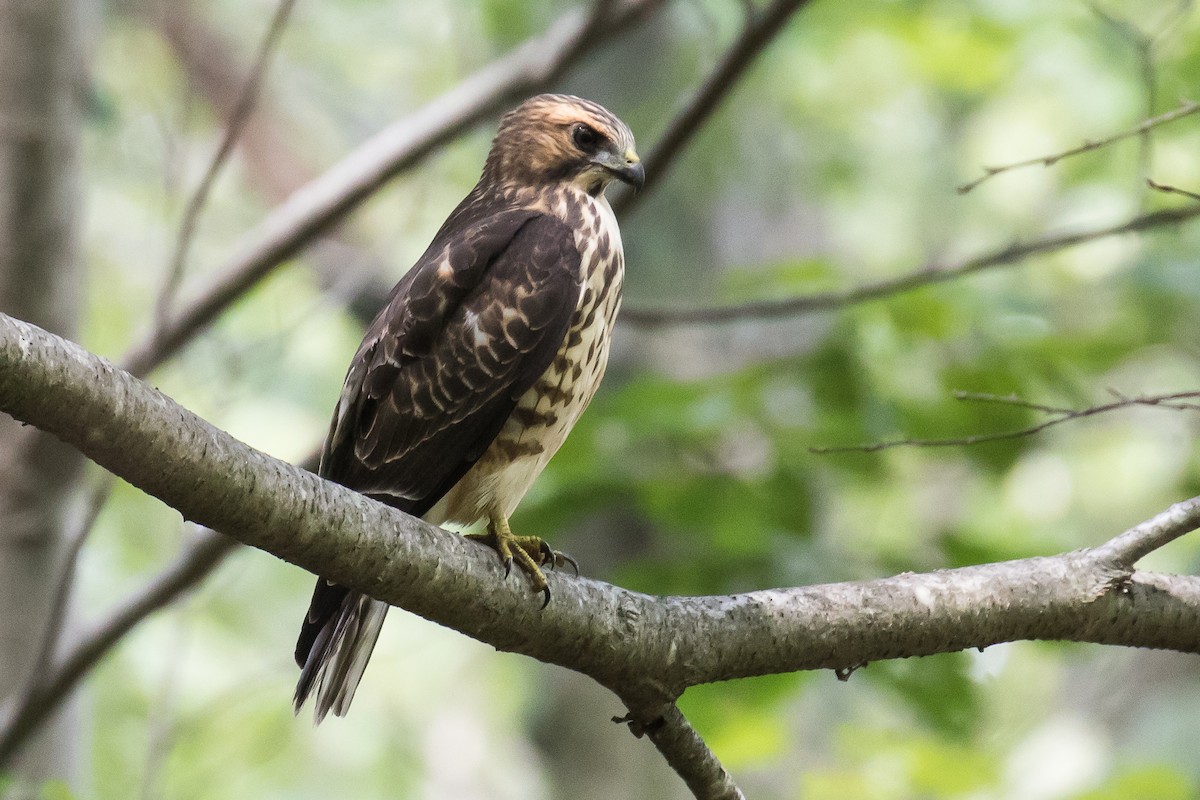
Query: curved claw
(547, 555)
(507, 567)
(546, 594)
(568, 560)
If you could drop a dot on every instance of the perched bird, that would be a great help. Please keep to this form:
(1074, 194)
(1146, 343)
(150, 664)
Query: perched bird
(485, 355)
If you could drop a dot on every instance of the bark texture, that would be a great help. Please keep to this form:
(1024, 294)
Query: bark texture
(647, 649)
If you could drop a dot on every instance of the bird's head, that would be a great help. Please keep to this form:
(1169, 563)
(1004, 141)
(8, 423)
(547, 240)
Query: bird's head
(555, 138)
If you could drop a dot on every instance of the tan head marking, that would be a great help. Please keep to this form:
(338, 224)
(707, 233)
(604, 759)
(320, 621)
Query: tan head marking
(554, 138)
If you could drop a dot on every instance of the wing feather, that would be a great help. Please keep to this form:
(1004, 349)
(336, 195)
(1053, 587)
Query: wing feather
(471, 328)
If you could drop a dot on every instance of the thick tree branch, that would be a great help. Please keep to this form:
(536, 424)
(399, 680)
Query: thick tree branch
(337, 192)
(927, 275)
(646, 649)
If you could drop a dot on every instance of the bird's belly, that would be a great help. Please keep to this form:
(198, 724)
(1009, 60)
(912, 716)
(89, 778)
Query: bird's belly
(542, 418)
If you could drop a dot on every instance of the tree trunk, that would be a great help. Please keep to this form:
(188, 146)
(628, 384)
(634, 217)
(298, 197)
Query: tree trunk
(42, 87)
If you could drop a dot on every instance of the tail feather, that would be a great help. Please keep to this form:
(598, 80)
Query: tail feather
(338, 654)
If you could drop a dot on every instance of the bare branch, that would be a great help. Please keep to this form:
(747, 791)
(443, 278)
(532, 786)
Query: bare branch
(626, 641)
(1187, 108)
(347, 273)
(956, 441)
(927, 275)
(247, 98)
(62, 592)
(1142, 45)
(337, 192)
(1166, 189)
(688, 755)
(21, 722)
(760, 30)
(1123, 551)
(1060, 415)
(1010, 400)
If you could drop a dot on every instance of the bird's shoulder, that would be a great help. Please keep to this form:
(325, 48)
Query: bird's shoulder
(487, 254)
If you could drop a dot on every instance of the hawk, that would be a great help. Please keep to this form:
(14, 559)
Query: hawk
(483, 358)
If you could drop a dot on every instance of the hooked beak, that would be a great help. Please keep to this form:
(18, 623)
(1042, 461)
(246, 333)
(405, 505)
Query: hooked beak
(626, 168)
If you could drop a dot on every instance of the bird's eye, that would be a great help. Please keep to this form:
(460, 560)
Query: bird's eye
(586, 138)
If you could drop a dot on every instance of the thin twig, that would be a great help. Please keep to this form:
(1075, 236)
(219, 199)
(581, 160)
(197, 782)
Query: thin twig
(1010, 400)
(55, 622)
(1060, 415)
(760, 30)
(334, 194)
(198, 560)
(160, 733)
(1167, 189)
(1142, 45)
(242, 109)
(924, 276)
(1162, 400)
(1188, 108)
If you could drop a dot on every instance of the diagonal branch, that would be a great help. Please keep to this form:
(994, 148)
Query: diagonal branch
(1139, 541)
(56, 621)
(928, 275)
(244, 106)
(21, 721)
(337, 192)
(1167, 189)
(760, 30)
(690, 757)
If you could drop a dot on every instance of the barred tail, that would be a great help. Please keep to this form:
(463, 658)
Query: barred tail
(334, 647)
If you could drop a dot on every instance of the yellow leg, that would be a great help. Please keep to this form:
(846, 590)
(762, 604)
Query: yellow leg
(529, 552)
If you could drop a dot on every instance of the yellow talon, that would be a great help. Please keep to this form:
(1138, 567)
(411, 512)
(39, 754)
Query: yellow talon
(529, 552)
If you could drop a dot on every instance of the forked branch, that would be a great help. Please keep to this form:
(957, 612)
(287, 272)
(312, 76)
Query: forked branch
(1186, 109)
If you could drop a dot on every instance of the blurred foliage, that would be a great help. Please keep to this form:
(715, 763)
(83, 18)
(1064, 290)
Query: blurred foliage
(832, 165)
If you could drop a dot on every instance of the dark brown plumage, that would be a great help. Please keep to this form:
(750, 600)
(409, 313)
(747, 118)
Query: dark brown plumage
(487, 351)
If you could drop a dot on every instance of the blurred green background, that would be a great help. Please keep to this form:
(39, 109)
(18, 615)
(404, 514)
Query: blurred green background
(834, 163)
